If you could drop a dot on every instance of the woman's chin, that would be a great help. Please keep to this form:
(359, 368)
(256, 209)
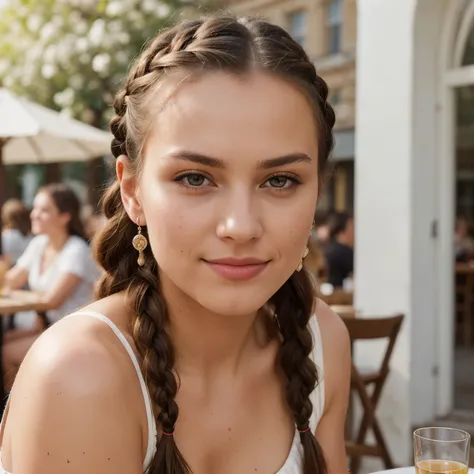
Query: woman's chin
(229, 305)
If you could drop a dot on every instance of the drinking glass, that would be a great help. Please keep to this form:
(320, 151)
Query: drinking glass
(441, 451)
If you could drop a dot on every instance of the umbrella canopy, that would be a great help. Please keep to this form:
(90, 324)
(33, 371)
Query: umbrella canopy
(36, 134)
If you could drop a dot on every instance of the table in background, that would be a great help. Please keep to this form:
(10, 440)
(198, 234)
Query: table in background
(344, 310)
(338, 297)
(21, 300)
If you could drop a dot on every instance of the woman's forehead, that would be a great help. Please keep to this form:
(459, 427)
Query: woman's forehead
(259, 114)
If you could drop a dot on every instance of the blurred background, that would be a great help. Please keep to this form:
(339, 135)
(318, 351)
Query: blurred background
(394, 227)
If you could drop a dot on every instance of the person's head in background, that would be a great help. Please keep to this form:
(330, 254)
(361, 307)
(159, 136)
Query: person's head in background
(15, 216)
(321, 228)
(57, 212)
(461, 228)
(341, 228)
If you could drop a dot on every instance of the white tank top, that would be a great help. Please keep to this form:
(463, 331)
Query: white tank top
(294, 461)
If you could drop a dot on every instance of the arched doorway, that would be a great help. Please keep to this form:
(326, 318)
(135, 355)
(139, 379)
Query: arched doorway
(406, 156)
(454, 197)
(460, 95)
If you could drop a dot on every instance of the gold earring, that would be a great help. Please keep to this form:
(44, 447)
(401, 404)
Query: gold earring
(305, 254)
(140, 243)
(306, 250)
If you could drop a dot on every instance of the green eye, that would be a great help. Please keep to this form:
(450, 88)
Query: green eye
(278, 181)
(195, 179)
(281, 182)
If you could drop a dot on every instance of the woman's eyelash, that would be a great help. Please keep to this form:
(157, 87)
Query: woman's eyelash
(192, 174)
(200, 178)
(291, 177)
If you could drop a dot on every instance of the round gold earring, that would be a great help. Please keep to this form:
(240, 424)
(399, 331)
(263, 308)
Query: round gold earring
(140, 243)
(305, 254)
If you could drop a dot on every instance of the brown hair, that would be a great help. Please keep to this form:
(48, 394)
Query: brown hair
(15, 215)
(237, 46)
(66, 201)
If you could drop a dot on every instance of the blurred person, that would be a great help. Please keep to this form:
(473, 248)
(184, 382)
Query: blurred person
(208, 329)
(339, 251)
(315, 262)
(321, 228)
(57, 263)
(16, 230)
(463, 242)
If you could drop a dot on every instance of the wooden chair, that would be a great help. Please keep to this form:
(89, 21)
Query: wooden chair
(371, 329)
(464, 285)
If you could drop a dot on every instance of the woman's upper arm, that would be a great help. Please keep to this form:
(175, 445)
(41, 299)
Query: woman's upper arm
(337, 375)
(16, 277)
(62, 290)
(66, 415)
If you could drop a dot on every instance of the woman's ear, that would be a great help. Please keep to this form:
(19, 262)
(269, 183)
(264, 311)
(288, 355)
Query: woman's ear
(128, 188)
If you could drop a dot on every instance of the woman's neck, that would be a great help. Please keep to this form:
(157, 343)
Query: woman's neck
(57, 241)
(207, 343)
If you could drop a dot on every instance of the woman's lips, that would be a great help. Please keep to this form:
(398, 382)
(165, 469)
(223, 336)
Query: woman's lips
(237, 269)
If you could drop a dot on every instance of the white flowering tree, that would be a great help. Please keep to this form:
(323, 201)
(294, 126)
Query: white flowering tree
(72, 54)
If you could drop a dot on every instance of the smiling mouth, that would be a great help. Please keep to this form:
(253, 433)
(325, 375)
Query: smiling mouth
(237, 269)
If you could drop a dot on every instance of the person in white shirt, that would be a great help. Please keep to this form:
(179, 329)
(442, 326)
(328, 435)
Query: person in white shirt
(16, 234)
(57, 263)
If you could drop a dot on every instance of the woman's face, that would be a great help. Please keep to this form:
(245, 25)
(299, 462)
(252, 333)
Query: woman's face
(228, 189)
(45, 216)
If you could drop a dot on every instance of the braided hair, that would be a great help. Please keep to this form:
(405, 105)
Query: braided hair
(237, 46)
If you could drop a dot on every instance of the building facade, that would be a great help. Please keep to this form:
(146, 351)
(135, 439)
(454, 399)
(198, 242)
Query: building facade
(327, 31)
(414, 172)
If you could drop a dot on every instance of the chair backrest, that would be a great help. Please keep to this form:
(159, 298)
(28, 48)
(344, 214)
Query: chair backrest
(361, 329)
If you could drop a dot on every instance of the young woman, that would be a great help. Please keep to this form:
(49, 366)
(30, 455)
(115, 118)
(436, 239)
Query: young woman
(207, 352)
(57, 263)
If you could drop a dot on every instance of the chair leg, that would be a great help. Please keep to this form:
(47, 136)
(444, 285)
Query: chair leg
(382, 445)
(355, 464)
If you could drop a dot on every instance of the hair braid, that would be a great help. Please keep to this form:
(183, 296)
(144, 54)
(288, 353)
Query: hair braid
(293, 306)
(200, 46)
(149, 327)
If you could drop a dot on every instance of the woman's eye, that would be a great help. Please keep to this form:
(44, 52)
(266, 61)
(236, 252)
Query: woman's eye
(194, 180)
(281, 182)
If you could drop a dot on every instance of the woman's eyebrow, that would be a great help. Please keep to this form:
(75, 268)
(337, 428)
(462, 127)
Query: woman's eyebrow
(212, 162)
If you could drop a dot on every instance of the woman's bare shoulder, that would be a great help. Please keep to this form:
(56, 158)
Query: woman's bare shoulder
(337, 354)
(79, 346)
(74, 387)
(332, 326)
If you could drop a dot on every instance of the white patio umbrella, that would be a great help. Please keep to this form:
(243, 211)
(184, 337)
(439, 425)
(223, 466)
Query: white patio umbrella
(35, 134)
(31, 133)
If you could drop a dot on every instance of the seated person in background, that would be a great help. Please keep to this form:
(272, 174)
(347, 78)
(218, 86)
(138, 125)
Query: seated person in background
(463, 243)
(16, 234)
(321, 227)
(339, 252)
(315, 262)
(57, 263)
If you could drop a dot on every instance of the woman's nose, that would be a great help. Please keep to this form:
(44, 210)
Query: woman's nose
(241, 221)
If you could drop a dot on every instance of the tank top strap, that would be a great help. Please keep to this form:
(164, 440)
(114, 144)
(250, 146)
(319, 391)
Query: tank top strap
(318, 394)
(152, 431)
